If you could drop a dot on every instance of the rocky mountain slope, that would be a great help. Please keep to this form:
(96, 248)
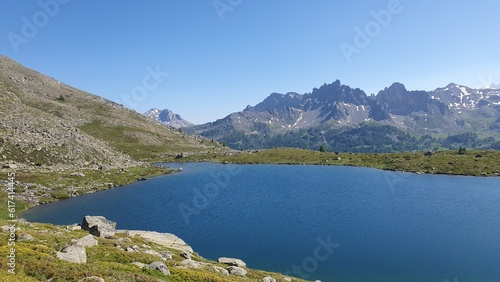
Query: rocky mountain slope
(321, 116)
(167, 117)
(46, 123)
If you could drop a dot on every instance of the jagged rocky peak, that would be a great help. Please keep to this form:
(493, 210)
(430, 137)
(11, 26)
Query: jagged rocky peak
(277, 101)
(400, 101)
(337, 92)
(167, 117)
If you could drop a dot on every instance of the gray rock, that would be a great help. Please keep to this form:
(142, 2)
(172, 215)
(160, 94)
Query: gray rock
(189, 263)
(167, 254)
(160, 266)
(22, 221)
(92, 279)
(164, 239)
(429, 153)
(79, 174)
(220, 270)
(87, 241)
(287, 279)
(99, 226)
(185, 255)
(237, 271)
(8, 229)
(73, 253)
(232, 261)
(11, 166)
(268, 279)
(25, 238)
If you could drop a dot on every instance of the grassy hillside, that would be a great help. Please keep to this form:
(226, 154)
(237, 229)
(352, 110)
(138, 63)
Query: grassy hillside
(62, 142)
(36, 260)
(49, 130)
(474, 163)
(49, 123)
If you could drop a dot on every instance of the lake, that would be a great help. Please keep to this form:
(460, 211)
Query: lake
(314, 222)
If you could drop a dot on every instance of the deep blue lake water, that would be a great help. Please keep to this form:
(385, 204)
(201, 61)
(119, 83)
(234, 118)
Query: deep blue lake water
(314, 222)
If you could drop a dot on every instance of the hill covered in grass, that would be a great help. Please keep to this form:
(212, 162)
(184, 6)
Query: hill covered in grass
(63, 142)
(471, 162)
(46, 123)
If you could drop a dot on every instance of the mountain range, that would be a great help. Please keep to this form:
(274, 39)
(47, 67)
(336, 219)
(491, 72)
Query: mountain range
(339, 116)
(50, 125)
(167, 117)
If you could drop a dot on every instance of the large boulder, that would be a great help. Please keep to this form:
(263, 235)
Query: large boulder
(73, 253)
(99, 226)
(164, 239)
(232, 261)
(160, 266)
(87, 241)
(238, 271)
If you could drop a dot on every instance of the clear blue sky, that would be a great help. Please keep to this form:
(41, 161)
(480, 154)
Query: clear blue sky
(219, 61)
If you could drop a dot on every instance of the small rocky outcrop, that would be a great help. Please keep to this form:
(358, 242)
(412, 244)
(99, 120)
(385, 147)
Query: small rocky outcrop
(429, 153)
(268, 279)
(25, 238)
(232, 261)
(186, 255)
(167, 255)
(189, 263)
(220, 270)
(87, 241)
(160, 266)
(237, 271)
(99, 226)
(73, 253)
(164, 239)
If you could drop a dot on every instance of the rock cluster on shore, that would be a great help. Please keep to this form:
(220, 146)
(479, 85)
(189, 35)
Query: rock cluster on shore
(100, 227)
